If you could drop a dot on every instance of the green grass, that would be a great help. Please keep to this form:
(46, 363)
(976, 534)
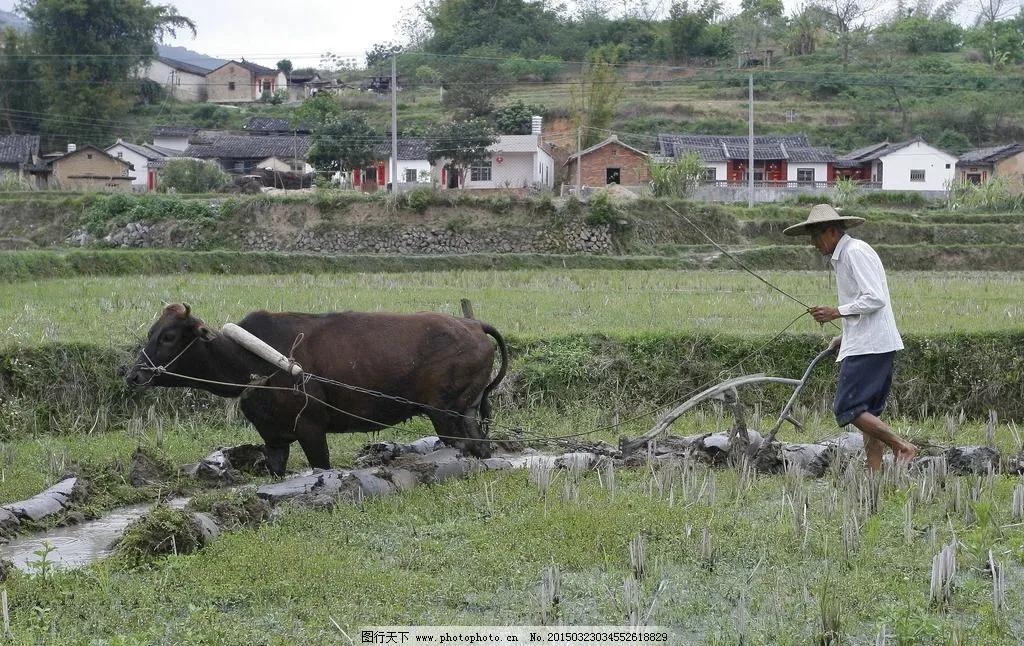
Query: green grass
(528, 304)
(472, 552)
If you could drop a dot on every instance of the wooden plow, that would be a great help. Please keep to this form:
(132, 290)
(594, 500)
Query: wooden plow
(727, 392)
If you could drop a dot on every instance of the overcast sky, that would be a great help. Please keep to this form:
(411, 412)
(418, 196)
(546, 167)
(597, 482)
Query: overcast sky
(266, 31)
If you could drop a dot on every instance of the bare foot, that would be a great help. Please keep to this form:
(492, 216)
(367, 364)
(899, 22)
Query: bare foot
(906, 453)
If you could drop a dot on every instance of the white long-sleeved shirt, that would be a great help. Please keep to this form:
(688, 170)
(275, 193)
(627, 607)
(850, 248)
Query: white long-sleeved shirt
(869, 326)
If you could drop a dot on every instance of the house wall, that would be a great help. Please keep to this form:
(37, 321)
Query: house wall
(421, 166)
(545, 169)
(80, 172)
(183, 86)
(515, 170)
(939, 167)
(139, 163)
(633, 167)
(1012, 168)
(218, 90)
(821, 171)
(174, 143)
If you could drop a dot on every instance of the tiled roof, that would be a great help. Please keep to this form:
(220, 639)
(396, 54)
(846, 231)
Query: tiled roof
(173, 131)
(182, 66)
(409, 148)
(992, 154)
(18, 149)
(256, 69)
(271, 124)
(715, 148)
(146, 150)
(873, 152)
(224, 146)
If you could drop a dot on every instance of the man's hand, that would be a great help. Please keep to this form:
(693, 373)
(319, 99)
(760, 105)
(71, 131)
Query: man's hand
(824, 314)
(836, 342)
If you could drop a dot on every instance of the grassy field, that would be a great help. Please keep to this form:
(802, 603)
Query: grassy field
(473, 552)
(524, 303)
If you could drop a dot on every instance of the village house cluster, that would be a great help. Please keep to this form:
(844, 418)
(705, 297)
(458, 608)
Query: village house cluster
(274, 153)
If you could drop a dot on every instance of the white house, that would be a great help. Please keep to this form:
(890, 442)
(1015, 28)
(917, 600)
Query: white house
(173, 137)
(907, 166)
(141, 156)
(185, 82)
(516, 161)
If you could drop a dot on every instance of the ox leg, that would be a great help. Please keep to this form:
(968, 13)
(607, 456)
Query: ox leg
(277, 457)
(314, 444)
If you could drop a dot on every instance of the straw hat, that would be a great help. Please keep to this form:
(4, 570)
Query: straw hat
(822, 214)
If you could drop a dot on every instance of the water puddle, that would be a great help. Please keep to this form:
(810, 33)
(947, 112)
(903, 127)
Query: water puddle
(76, 546)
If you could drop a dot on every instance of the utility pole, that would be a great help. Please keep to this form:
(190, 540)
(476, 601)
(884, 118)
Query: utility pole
(579, 160)
(394, 122)
(750, 141)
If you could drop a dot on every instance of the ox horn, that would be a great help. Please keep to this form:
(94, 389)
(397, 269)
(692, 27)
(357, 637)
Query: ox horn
(188, 309)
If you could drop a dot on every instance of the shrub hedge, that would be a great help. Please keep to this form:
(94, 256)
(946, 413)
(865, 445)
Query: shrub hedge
(43, 388)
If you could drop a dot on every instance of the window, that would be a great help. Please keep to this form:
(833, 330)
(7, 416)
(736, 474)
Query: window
(917, 175)
(88, 155)
(612, 176)
(239, 166)
(947, 166)
(480, 172)
(231, 86)
(410, 175)
(266, 86)
(805, 174)
(710, 174)
(120, 155)
(974, 178)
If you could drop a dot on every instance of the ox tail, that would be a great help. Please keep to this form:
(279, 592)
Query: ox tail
(485, 403)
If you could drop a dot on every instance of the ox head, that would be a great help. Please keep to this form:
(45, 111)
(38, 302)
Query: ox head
(170, 345)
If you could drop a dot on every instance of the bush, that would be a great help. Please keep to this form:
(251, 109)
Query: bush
(907, 199)
(996, 194)
(602, 211)
(420, 199)
(192, 176)
(679, 178)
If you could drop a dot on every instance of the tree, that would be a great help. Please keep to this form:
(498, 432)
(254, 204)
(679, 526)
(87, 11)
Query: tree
(597, 98)
(678, 178)
(319, 109)
(693, 31)
(285, 66)
(804, 26)
(1000, 41)
(758, 22)
(380, 53)
(93, 49)
(192, 176)
(20, 100)
(516, 118)
(504, 25)
(922, 34)
(344, 143)
(843, 17)
(461, 144)
(474, 81)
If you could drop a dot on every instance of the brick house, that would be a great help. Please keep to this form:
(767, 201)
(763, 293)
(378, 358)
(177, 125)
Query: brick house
(89, 169)
(609, 162)
(243, 82)
(981, 165)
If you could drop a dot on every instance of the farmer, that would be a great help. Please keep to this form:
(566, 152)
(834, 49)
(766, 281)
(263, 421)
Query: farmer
(868, 344)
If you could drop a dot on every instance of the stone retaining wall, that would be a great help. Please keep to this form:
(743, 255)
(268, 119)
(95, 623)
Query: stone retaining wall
(416, 239)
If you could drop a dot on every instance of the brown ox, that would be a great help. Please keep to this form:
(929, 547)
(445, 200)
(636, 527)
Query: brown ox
(440, 362)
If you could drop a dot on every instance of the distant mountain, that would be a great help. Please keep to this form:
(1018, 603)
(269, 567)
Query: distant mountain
(9, 19)
(186, 55)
